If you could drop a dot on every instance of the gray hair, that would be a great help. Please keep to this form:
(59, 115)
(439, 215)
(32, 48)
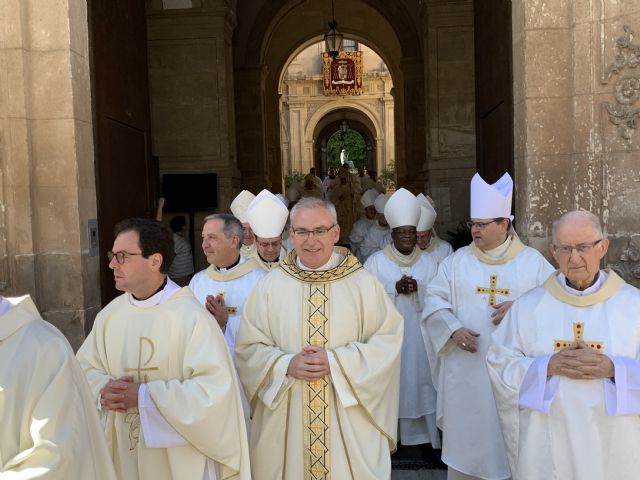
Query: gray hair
(577, 215)
(232, 226)
(308, 203)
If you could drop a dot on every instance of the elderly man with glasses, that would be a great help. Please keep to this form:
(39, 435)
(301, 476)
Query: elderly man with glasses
(155, 362)
(318, 353)
(468, 297)
(565, 366)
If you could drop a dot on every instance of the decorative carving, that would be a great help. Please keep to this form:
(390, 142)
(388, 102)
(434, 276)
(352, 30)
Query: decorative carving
(627, 89)
(628, 266)
(627, 53)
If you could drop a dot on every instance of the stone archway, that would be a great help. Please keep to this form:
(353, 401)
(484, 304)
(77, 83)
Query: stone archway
(326, 121)
(265, 47)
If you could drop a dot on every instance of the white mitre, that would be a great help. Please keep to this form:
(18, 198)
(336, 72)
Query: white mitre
(240, 204)
(491, 201)
(402, 209)
(283, 199)
(267, 215)
(380, 201)
(369, 197)
(427, 217)
(426, 199)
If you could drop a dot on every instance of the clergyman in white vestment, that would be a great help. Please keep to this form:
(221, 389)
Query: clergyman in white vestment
(428, 240)
(267, 216)
(318, 353)
(405, 272)
(161, 370)
(224, 286)
(565, 366)
(50, 427)
(468, 297)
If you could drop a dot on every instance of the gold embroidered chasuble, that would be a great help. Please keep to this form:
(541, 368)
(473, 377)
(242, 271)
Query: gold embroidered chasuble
(181, 356)
(344, 425)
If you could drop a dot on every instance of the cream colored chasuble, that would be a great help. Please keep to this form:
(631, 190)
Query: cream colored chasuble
(342, 426)
(49, 423)
(178, 352)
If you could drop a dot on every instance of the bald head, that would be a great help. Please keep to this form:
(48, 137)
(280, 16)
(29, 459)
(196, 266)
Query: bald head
(576, 219)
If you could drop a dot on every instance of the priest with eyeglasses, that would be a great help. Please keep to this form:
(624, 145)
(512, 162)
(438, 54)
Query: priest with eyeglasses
(318, 353)
(565, 366)
(160, 370)
(469, 296)
(405, 271)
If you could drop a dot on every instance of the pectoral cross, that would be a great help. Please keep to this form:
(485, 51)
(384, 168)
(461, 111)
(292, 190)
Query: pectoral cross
(492, 290)
(142, 367)
(578, 332)
(230, 310)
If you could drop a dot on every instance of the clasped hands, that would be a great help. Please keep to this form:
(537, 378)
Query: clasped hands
(119, 395)
(312, 363)
(218, 309)
(580, 362)
(406, 285)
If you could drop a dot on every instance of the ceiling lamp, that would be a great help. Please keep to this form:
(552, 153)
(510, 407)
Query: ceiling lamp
(333, 38)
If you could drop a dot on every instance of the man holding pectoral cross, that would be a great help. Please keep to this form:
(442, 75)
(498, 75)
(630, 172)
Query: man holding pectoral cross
(473, 290)
(161, 371)
(565, 366)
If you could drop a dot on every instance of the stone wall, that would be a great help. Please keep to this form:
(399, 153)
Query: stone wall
(450, 106)
(576, 82)
(191, 92)
(47, 180)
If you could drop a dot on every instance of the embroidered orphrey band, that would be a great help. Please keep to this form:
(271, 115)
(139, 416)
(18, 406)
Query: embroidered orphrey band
(315, 397)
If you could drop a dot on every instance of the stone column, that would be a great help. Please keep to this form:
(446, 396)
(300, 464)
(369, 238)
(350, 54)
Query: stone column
(252, 146)
(576, 87)
(409, 170)
(47, 180)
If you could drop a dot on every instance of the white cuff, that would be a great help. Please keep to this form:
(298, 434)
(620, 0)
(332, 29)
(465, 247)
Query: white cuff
(278, 383)
(340, 383)
(157, 432)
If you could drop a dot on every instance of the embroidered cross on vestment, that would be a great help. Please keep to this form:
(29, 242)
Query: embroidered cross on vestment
(578, 332)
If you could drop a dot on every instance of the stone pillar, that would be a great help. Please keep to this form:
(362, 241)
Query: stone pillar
(47, 180)
(252, 146)
(576, 87)
(409, 170)
(191, 82)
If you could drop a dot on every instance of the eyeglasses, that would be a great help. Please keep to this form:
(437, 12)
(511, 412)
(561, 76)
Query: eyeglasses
(317, 232)
(276, 244)
(482, 225)
(581, 248)
(120, 256)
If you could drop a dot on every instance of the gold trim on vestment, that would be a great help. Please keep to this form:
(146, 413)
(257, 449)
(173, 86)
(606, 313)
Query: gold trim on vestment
(610, 287)
(402, 260)
(392, 442)
(514, 249)
(236, 272)
(349, 264)
(316, 408)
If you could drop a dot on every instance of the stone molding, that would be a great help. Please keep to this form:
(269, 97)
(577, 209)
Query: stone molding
(628, 263)
(624, 114)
